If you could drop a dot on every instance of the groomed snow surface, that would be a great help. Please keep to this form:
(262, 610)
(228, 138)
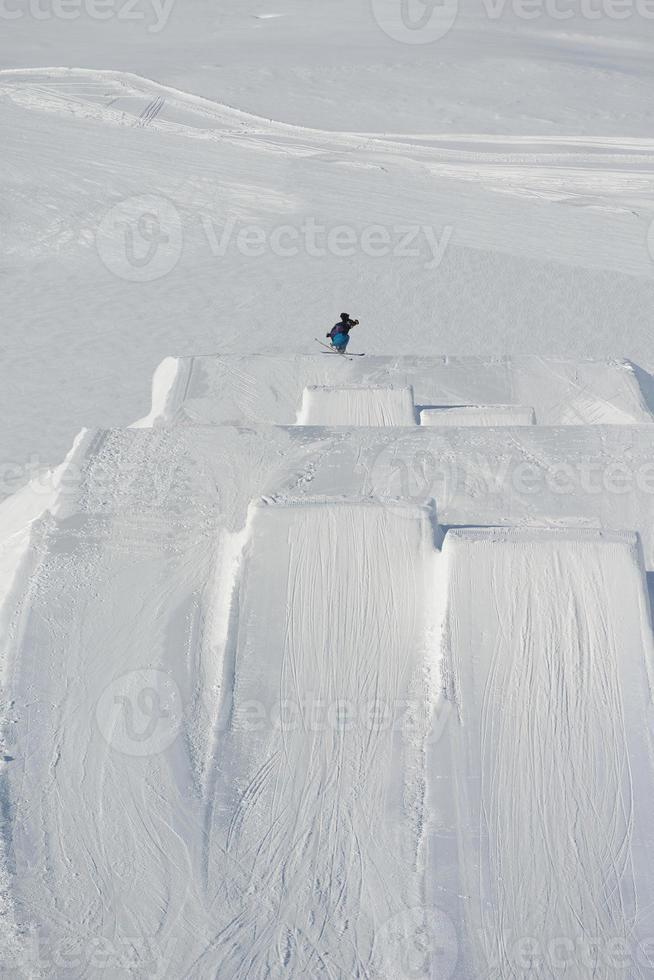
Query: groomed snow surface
(286, 701)
(326, 668)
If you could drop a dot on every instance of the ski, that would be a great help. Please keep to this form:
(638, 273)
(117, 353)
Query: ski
(332, 350)
(356, 354)
(328, 346)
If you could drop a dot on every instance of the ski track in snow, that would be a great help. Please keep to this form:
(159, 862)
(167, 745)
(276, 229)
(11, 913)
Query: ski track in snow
(290, 850)
(315, 864)
(151, 111)
(538, 676)
(588, 171)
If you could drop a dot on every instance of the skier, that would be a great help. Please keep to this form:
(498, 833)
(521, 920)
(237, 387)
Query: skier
(339, 333)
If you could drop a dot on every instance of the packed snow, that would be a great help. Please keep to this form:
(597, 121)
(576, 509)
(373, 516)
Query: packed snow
(319, 665)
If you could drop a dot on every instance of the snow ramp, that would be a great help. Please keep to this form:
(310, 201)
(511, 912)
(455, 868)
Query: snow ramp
(479, 415)
(316, 852)
(548, 804)
(269, 389)
(357, 405)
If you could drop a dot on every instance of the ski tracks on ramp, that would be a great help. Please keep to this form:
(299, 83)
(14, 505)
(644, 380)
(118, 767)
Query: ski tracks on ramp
(310, 867)
(541, 674)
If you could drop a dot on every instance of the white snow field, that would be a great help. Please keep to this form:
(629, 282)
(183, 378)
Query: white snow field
(320, 667)
(145, 217)
(273, 712)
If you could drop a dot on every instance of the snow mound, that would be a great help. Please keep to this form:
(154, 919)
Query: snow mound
(357, 405)
(261, 389)
(550, 683)
(342, 674)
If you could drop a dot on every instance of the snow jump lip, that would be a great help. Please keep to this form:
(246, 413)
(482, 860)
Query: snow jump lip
(507, 534)
(269, 389)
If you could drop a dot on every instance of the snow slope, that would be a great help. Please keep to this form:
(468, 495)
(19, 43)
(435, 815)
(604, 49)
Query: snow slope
(551, 751)
(553, 70)
(456, 241)
(291, 728)
(293, 681)
(335, 597)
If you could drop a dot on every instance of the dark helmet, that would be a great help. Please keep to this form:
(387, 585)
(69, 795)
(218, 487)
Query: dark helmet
(345, 316)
